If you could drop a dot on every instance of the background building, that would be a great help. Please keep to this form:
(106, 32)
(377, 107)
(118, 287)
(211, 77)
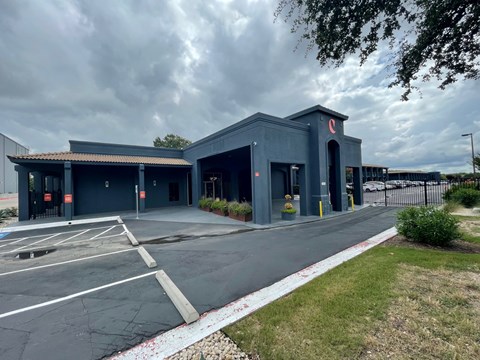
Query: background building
(8, 176)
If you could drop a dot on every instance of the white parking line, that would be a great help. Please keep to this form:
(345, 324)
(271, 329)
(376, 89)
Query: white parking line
(14, 242)
(63, 232)
(65, 262)
(71, 237)
(66, 244)
(96, 236)
(36, 242)
(72, 296)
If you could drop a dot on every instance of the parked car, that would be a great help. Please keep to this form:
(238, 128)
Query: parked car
(380, 186)
(369, 188)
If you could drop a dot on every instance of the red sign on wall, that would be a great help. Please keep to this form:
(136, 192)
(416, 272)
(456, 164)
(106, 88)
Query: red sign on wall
(47, 197)
(142, 194)
(68, 198)
(331, 126)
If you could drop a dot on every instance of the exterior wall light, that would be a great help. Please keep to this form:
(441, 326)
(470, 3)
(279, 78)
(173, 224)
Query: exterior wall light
(107, 184)
(154, 182)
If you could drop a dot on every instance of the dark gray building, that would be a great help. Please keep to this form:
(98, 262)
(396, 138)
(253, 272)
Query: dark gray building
(414, 175)
(258, 160)
(8, 176)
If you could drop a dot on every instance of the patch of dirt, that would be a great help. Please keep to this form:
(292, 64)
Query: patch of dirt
(471, 226)
(466, 212)
(456, 245)
(435, 315)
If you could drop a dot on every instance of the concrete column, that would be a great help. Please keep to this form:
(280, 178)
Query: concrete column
(141, 187)
(304, 198)
(357, 187)
(23, 193)
(68, 179)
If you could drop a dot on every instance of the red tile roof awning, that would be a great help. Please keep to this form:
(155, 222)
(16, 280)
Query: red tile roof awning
(102, 158)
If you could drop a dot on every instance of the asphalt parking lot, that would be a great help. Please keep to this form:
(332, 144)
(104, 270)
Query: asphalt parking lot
(95, 296)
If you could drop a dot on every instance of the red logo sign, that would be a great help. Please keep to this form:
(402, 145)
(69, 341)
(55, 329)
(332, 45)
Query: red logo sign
(142, 194)
(331, 126)
(68, 198)
(257, 174)
(47, 197)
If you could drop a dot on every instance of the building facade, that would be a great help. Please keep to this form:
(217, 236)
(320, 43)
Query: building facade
(8, 176)
(258, 159)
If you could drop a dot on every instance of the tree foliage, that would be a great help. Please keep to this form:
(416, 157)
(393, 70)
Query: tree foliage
(171, 141)
(441, 35)
(476, 161)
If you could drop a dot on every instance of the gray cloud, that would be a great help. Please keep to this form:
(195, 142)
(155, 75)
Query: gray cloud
(129, 71)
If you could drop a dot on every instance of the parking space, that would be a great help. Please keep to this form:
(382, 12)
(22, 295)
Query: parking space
(31, 240)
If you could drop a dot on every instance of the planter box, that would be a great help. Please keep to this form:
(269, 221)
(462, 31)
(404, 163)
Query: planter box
(244, 218)
(220, 212)
(207, 209)
(288, 216)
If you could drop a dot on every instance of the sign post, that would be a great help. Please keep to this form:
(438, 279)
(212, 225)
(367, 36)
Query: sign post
(136, 198)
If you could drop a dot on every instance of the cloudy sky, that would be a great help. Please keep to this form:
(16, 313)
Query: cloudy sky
(128, 71)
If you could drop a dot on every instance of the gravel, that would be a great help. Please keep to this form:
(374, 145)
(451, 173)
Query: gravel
(217, 346)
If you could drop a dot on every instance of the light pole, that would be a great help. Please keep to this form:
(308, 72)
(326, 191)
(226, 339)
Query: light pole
(473, 154)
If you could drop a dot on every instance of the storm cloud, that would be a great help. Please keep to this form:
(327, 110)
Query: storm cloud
(126, 72)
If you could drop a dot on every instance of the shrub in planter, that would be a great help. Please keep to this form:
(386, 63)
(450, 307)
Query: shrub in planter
(220, 207)
(288, 211)
(240, 211)
(467, 197)
(427, 225)
(205, 203)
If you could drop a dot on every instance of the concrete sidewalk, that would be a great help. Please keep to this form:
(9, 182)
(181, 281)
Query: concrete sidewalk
(183, 222)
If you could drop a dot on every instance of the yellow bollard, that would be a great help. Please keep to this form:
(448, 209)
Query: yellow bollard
(320, 208)
(353, 205)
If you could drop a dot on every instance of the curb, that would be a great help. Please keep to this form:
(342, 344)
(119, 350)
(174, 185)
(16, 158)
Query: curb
(173, 341)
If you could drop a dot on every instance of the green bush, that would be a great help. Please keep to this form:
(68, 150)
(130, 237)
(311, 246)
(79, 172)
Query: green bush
(220, 205)
(448, 195)
(205, 202)
(244, 208)
(11, 212)
(236, 208)
(467, 197)
(427, 225)
(3, 215)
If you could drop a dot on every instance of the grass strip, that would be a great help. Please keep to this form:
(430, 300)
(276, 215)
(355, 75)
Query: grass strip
(329, 317)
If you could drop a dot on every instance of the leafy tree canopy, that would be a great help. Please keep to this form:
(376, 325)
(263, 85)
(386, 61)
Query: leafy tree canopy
(441, 35)
(171, 141)
(476, 161)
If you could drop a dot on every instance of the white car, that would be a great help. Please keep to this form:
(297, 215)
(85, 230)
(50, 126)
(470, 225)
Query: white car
(380, 186)
(369, 187)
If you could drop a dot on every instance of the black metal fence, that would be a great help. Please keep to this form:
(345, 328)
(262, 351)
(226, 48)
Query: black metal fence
(411, 193)
(45, 205)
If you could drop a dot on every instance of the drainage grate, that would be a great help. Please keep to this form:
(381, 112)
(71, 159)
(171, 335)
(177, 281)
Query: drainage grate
(33, 254)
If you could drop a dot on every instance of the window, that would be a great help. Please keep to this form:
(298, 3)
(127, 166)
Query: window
(173, 192)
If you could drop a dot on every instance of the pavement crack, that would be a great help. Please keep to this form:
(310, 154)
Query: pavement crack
(89, 329)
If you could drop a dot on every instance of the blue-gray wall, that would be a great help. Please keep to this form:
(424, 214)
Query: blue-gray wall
(90, 194)
(270, 139)
(157, 195)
